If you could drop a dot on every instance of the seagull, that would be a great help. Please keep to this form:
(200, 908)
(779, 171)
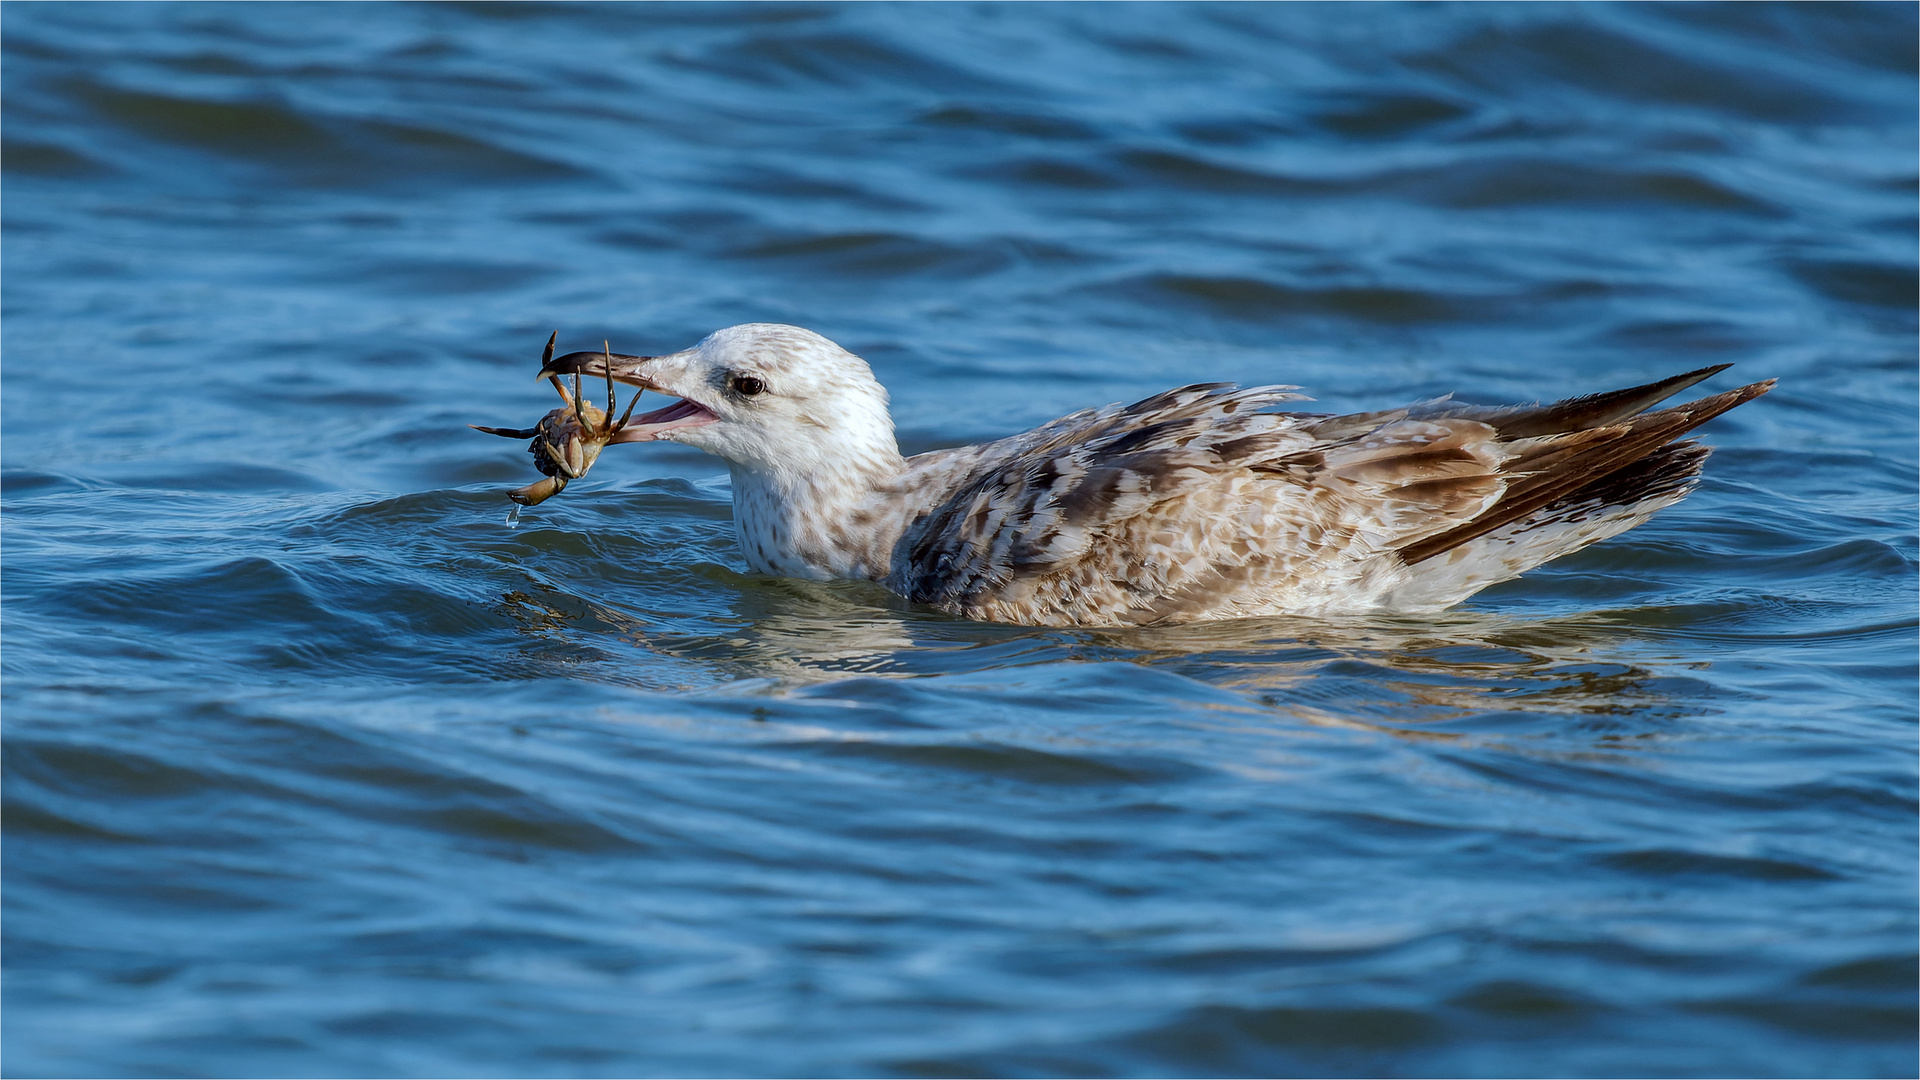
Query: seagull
(1202, 502)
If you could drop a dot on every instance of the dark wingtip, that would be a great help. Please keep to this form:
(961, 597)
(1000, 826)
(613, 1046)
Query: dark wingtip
(1599, 410)
(1706, 408)
(1580, 467)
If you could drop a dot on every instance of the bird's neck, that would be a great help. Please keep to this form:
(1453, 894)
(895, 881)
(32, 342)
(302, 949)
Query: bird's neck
(833, 521)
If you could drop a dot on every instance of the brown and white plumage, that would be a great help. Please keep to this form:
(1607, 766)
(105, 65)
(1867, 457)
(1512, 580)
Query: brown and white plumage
(1197, 503)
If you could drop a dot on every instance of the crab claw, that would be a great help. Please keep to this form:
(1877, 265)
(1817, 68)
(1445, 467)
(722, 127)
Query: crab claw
(539, 491)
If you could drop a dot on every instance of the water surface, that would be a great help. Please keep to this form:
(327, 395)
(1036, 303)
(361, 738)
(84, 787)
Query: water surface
(316, 766)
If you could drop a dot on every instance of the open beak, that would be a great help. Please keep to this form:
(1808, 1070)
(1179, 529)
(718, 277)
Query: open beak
(632, 370)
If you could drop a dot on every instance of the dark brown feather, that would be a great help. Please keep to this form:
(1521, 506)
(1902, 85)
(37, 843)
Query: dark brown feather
(1573, 414)
(1589, 456)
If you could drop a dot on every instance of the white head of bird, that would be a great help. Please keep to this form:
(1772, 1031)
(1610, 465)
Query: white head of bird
(779, 404)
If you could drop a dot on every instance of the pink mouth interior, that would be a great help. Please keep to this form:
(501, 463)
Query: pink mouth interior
(680, 414)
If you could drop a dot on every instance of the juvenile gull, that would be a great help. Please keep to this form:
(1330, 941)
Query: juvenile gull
(1197, 503)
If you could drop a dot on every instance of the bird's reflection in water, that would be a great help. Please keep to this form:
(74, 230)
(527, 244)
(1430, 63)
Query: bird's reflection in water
(791, 629)
(788, 630)
(1409, 675)
(1493, 669)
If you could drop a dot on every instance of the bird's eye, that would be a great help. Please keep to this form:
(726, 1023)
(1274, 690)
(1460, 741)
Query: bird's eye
(747, 385)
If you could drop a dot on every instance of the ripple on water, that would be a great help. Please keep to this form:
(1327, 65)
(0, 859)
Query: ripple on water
(303, 146)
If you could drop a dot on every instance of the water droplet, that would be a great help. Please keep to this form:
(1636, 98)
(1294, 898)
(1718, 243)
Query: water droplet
(513, 516)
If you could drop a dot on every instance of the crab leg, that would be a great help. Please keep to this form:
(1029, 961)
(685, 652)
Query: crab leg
(508, 432)
(615, 425)
(631, 402)
(577, 414)
(546, 357)
(612, 401)
(547, 451)
(559, 456)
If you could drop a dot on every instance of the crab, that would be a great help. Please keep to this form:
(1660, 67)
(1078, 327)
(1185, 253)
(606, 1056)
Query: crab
(568, 440)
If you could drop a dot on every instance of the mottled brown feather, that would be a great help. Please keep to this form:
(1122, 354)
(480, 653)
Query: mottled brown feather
(1195, 504)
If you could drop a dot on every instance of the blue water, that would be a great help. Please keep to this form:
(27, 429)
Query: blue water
(314, 765)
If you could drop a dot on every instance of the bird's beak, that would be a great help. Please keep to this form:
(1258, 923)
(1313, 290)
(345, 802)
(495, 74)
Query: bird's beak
(632, 370)
(625, 369)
